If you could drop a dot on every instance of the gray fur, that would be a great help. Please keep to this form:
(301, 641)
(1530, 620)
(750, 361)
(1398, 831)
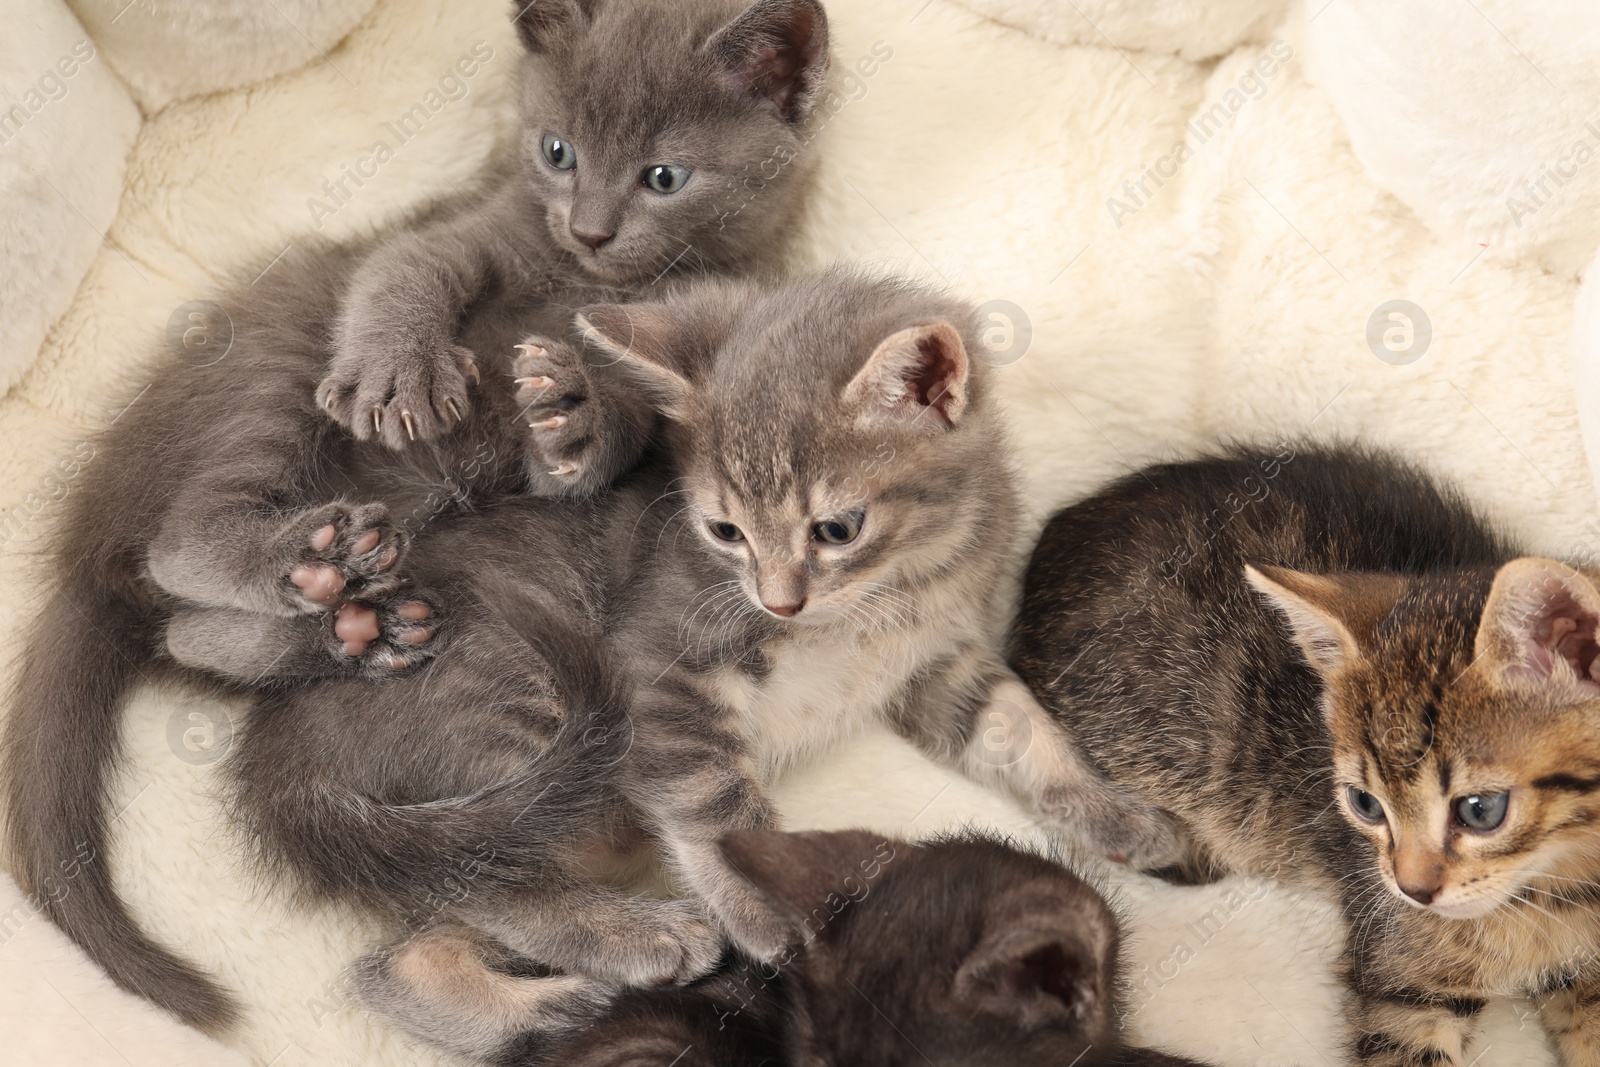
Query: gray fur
(216, 488)
(768, 425)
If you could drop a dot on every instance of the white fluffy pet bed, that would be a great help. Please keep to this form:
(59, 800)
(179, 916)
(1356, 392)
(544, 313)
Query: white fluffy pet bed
(1199, 208)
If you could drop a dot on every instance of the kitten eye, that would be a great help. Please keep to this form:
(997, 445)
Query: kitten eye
(727, 531)
(1483, 812)
(558, 153)
(1364, 804)
(666, 179)
(840, 531)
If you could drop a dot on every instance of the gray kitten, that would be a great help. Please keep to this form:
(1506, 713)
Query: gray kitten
(226, 486)
(822, 544)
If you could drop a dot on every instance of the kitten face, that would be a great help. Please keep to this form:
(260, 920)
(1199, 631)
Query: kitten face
(642, 122)
(1465, 727)
(827, 483)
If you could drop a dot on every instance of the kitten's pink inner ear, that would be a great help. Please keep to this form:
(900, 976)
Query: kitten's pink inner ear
(919, 376)
(1542, 623)
(777, 48)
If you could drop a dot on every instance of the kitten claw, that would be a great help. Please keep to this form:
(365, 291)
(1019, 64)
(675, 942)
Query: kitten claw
(455, 409)
(411, 429)
(472, 372)
(565, 469)
(537, 382)
(554, 422)
(536, 351)
(377, 420)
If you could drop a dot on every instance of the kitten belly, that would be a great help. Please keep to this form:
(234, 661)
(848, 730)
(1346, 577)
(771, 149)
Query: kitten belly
(819, 692)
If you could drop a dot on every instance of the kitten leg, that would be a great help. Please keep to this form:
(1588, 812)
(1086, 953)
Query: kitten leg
(579, 926)
(1571, 1016)
(375, 641)
(696, 786)
(234, 550)
(583, 428)
(449, 986)
(397, 375)
(1396, 1026)
(981, 717)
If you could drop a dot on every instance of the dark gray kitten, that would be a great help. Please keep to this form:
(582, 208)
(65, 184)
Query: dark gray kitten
(822, 544)
(962, 952)
(226, 486)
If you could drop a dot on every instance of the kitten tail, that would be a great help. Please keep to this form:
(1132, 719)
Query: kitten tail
(61, 749)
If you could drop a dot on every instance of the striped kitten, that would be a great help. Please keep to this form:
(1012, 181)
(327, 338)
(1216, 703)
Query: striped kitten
(1332, 672)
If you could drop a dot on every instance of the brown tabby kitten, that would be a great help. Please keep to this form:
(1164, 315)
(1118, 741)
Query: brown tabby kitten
(227, 487)
(1334, 673)
(981, 955)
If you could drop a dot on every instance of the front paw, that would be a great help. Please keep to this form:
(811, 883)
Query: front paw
(383, 639)
(400, 393)
(566, 418)
(1119, 826)
(340, 550)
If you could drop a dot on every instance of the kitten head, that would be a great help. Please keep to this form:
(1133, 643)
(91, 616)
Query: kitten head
(669, 132)
(979, 953)
(1464, 715)
(834, 436)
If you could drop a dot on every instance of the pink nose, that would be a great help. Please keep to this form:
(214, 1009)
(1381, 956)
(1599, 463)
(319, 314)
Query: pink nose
(787, 611)
(595, 241)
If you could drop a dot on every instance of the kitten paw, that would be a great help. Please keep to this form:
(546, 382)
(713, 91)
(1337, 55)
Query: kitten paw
(1120, 827)
(341, 550)
(386, 639)
(673, 947)
(398, 396)
(564, 415)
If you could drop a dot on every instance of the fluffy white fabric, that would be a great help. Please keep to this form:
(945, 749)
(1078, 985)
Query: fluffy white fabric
(167, 50)
(1193, 29)
(1484, 118)
(1175, 297)
(66, 125)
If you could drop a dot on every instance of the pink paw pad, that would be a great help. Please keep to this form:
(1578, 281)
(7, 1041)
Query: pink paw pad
(319, 583)
(356, 626)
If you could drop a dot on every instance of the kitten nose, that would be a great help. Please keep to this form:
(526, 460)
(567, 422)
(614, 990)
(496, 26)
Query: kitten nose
(787, 611)
(1422, 894)
(595, 241)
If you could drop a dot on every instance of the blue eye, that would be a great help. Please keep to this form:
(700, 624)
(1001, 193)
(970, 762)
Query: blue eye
(558, 153)
(840, 531)
(666, 179)
(1486, 811)
(727, 531)
(1367, 807)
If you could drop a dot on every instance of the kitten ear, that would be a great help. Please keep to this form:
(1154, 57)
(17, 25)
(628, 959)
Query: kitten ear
(777, 49)
(1037, 963)
(1328, 616)
(642, 340)
(1539, 627)
(544, 25)
(808, 877)
(918, 376)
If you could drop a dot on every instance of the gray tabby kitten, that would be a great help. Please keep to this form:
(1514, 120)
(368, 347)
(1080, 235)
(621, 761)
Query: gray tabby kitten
(962, 952)
(226, 486)
(823, 544)
(1336, 673)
